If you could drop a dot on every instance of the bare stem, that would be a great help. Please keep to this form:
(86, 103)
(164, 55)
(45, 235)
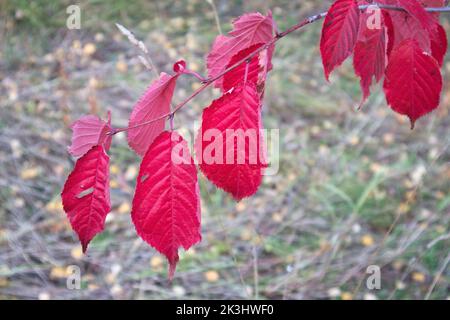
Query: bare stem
(278, 36)
(216, 15)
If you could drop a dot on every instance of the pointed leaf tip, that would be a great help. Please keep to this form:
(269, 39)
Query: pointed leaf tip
(84, 245)
(172, 267)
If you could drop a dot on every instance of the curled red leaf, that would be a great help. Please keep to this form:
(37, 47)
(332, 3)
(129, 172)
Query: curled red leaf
(154, 104)
(89, 131)
(179, 66)
(249, 29)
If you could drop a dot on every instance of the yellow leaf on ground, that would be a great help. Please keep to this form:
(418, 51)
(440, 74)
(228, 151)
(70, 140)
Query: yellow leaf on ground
(124, 208)
(94, 83)
(110, 278)
(354, 140)
(76, 44)
(240, 206)
(388, 138)
(367, 240)
(54, 206)
(346, 296)
(59, 273)
(370, 296)
(4, 282)
(211, 276)
(403, 208)
(114, 169)
(277, 217)
(156, 263)
(89, 49)
(29, 173)
(121, 66)
(76, 253)
(334, 292)
(44, 296)
(113, 184)
(246, 234)
(418, 277)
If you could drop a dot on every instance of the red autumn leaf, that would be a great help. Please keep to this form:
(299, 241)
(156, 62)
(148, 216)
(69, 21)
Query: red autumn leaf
(249, 29)
(265, 66)
(229, 148)
(339, 34)
(406, 27)
(369, 58)
(413, 81)
(236, 76)
(439, 44)
(418, 12)
(179, 66)
(257, 70)
(390, 33)
(416, 23)
(154, 104)
(85, 196)
(89, 131)
(166, 204)
(432, 40)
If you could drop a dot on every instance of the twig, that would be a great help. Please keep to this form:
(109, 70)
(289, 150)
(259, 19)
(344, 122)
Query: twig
(145, 59)
(216, 15)
(437, 277)
(255, 272)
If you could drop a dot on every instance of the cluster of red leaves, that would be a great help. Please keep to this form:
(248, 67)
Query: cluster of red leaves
(166, 204)
(406, 47)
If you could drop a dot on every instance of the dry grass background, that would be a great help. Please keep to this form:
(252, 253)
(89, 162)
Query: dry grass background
(354, 188)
